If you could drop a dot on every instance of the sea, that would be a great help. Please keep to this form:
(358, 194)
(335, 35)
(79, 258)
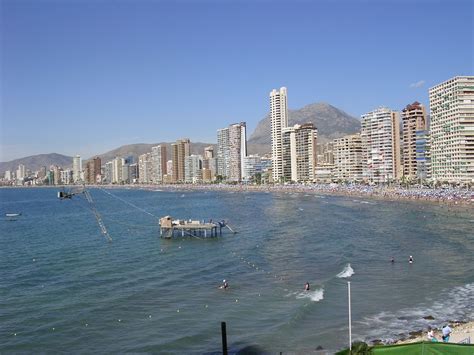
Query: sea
(64, 288)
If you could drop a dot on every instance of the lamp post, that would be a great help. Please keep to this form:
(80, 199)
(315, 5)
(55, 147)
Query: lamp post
(350, 323)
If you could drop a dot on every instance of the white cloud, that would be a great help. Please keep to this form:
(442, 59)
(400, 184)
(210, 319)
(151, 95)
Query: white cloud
(418, 84)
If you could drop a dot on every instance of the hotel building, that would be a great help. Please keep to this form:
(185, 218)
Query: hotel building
(414, 127)
(299, 153)
(348, 158)
(380, 135)
(452, 130)
(179, 151)
(279, 121)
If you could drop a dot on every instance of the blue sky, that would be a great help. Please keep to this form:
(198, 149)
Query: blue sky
(84, 77)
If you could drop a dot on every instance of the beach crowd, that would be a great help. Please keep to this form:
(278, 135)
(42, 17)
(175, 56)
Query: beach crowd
(448, 195)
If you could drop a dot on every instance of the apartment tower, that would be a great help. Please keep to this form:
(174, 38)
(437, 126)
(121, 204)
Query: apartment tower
(158, 157)
(414, 124)
(179, 151)
(348, 158)
(380, 133)
(279, 121)
(299, 153)
(452, 130)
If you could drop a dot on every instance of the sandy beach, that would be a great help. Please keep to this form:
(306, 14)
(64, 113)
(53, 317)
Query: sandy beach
(446, 196)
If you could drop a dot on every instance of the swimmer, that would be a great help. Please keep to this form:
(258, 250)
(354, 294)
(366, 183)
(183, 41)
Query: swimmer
(392, 259)
(224, 285)
(306, 286)
(410, 260)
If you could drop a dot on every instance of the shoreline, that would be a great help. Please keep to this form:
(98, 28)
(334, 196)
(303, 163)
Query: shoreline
(445, 197)
(460, 331)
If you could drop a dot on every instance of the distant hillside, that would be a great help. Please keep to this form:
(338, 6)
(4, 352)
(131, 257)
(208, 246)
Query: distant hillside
(35, 162)
(330, 121)
(141, 148)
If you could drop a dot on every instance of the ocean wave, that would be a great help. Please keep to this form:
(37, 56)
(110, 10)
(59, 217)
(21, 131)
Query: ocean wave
(315, 296)
(346, 272)
(456, 305)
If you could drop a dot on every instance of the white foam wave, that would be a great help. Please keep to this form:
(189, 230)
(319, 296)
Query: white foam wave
(315, 296)
(454, 304)
(346, 272)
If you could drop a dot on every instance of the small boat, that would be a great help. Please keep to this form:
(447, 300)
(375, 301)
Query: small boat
(12, 214)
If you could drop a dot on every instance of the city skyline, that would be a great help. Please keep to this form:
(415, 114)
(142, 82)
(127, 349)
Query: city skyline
(85, 77)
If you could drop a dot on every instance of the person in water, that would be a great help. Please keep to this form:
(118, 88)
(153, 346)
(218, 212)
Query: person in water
(306, 286)
(392, 260)
(224, 285)
(410, 260)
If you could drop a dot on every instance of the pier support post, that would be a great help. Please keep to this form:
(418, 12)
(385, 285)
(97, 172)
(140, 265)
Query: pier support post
(224, 338)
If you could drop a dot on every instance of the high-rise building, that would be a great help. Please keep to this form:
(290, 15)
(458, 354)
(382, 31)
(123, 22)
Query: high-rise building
(108, 172)
(117, 164)
(92, 173)
(76, 168)
(252, 165)
(279, 121)
(20, 173)
(299, 153)
(193, 169)
(145, 168)
(8, 175)
(223, 152)
(414, 124)
(237, 150)
(158, 155)
(179, 151)
(348, 158)
(231, 149)
(380, 135)
(423, 155)
(452, 130)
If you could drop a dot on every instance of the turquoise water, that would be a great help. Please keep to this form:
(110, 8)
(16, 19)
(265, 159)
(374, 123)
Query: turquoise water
(64, 288)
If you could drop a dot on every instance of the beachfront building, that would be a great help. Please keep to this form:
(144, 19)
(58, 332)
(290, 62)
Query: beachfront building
(380, 134)
(279, 121)
(223, 153)
(348, 158)
(325, 154)
(452, 130)
(179, 151)
(158, 158)
(76, 168)
(93, 171)
(231, 150)
(252, 165)
(299, 153)
(193, 169)
(145, 170)
(423, 155)
(209, 165)
(20, 173)
(237, 150)
(414, 126)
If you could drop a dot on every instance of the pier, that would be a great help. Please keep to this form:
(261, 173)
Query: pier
(170, 228)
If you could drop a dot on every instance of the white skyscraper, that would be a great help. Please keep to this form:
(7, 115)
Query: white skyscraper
(158, 156)
(452, 130)
(76, 168)
(279, 121)
(299, 153)
(223, 158)
(380, 134)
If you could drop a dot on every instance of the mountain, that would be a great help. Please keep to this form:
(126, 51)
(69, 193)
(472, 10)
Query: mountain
(35, 162)
(141, 148)
(330, 121)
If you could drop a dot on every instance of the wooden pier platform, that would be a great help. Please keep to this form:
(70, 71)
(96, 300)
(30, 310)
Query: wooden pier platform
(170, 228)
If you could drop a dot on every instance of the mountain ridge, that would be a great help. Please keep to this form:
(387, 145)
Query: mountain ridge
(330, 121)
